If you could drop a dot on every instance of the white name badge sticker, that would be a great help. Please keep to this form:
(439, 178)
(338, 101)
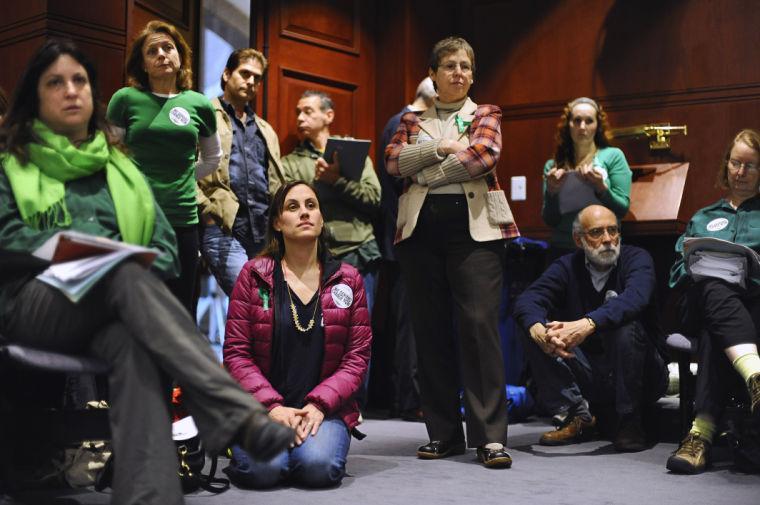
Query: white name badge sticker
(717, 224)
(342, 295)
(179, 116)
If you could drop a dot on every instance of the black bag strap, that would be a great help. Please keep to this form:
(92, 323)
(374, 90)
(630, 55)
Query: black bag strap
(213, 484)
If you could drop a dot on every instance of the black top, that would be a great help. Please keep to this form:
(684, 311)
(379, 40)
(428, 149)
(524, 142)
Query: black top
(296, 356)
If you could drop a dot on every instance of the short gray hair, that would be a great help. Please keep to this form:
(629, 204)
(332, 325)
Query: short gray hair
(325, 102)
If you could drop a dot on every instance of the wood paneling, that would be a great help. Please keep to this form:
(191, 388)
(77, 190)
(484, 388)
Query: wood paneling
(322, 45)
(646, 61)
(100, 33)
(306, 21)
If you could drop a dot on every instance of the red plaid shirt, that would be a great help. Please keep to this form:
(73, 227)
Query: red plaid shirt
(478, 159)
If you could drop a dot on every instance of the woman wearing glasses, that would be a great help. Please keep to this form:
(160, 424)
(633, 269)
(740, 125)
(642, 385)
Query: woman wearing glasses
(585, 170)
(453, 220)
(724, 313)
(164, 123)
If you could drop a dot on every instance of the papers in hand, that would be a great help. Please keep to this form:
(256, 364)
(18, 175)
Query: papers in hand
(576, 194)
(714, 257)
(352, 154)
(81, 260)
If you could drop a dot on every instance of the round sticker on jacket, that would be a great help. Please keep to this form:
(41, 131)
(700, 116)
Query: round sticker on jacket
(179, 116)
(717, 224)
(342, 295)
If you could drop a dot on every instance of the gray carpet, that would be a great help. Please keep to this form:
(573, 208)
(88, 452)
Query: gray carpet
(383, 470)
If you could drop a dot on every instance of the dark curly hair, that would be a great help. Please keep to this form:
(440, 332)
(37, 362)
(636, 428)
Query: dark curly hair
(16, 129)
(565, 151)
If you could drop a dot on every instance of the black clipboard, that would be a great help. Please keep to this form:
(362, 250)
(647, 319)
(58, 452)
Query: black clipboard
(352, 154)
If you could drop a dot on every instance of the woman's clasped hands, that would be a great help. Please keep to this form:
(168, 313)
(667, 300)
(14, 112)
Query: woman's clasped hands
(305, 421)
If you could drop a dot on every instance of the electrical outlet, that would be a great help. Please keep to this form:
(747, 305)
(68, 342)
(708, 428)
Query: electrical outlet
(518, 189)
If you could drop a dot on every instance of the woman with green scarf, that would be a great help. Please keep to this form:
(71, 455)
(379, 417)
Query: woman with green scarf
(60, 171)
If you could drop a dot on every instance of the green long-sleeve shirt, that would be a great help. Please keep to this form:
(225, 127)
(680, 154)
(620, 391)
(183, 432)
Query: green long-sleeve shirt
(720, 220)
(617, 198)
(92, 211)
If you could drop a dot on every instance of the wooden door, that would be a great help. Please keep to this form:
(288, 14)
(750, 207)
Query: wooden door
(322, 45)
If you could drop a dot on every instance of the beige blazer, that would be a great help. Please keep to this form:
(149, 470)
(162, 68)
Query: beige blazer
(488, 209)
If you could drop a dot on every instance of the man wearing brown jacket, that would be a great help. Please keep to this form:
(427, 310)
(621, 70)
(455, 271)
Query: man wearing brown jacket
(234, 199)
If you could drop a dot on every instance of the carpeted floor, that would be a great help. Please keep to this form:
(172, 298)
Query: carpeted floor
(384, 470)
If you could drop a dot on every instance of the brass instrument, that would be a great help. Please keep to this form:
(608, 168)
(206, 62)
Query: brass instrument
(658, 134)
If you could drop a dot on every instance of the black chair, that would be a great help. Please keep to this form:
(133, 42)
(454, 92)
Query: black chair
(32, 379)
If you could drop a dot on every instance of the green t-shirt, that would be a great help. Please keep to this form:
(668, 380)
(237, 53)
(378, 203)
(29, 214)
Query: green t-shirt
(162, 137)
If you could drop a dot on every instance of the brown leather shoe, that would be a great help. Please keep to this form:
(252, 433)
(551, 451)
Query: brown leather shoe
(691, 457)
(575, 430)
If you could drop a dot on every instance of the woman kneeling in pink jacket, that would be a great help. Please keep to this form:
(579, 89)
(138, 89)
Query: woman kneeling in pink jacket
(298, 339)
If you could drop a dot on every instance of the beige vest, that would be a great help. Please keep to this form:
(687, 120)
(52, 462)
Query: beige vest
(487, 209)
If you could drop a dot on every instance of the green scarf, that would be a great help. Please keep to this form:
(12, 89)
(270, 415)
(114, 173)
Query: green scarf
(39, 185)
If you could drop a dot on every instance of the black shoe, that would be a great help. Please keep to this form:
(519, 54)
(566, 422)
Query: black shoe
(630, 436)
(494, 458)
(438, 449)
(413, 415)
(262, 438)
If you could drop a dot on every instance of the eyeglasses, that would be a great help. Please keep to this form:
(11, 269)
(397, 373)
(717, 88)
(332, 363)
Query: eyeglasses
(451, 66)
(736, 165)
(257, 78)
(597, 233)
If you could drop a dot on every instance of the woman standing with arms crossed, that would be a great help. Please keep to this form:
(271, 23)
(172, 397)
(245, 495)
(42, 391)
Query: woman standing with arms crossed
(583, 152)
(163, 123)
(452, 224)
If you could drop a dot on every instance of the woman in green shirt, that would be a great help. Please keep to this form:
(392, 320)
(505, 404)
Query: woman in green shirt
(585, 170)
(60, 171)
(164, 123)
(723, 315)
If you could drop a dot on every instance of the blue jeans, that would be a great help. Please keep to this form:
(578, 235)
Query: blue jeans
(226, 255)
(319, 462)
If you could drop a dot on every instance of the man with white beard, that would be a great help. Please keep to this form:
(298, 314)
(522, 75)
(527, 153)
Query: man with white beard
(594, 335)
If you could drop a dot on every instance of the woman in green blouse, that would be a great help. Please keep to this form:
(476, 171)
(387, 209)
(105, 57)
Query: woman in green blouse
(164, 123)
(585, 170)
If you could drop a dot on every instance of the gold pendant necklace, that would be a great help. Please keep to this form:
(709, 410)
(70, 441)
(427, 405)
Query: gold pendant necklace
(295, 312)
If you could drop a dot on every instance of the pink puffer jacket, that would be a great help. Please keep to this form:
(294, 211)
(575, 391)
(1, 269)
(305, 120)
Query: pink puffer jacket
(248, 338)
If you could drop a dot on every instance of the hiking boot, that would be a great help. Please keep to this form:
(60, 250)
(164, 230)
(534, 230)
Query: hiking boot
(576, 429)
(691, 456)
(753, 386)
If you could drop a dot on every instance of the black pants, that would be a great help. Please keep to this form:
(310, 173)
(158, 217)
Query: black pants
(628, 371)
(133, 322)
(184, 286)
(447, 271)
(406, 389)
(721, 315)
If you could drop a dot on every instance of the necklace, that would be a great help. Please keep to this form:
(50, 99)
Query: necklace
(295, 312)
(589, 156)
